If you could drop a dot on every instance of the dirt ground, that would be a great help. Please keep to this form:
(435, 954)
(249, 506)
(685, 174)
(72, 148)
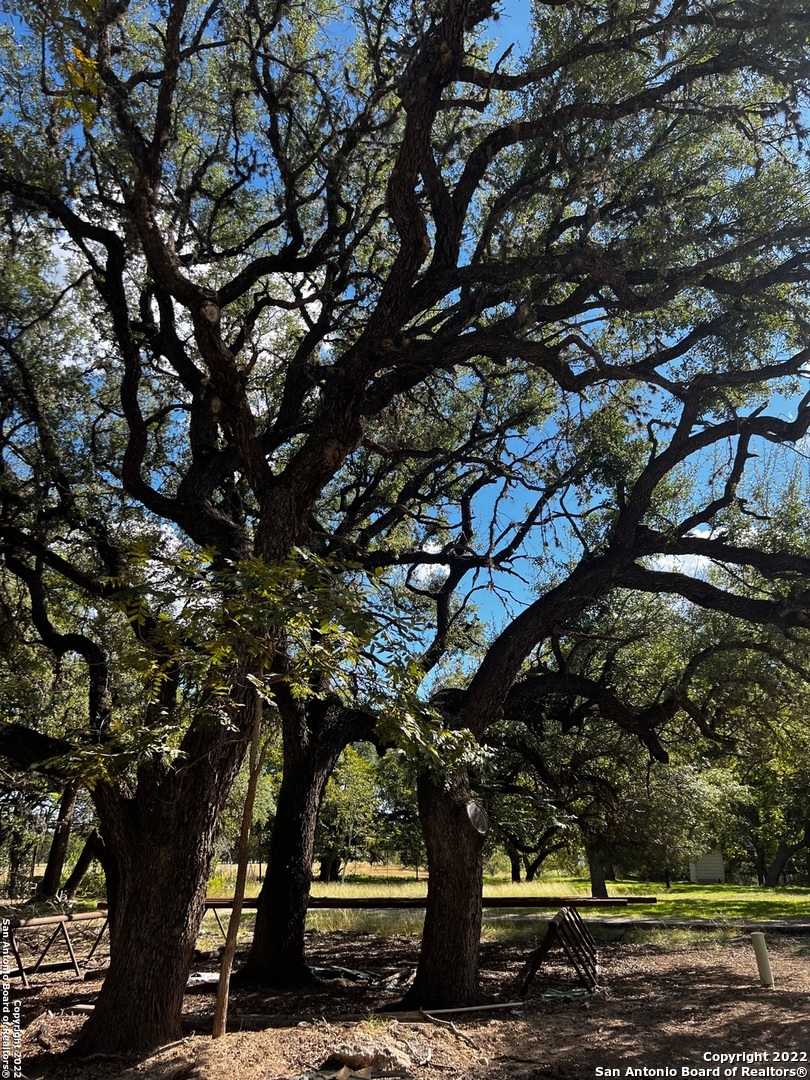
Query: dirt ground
(657, 1006)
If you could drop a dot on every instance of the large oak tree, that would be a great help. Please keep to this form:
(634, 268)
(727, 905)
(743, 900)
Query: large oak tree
(280, 230)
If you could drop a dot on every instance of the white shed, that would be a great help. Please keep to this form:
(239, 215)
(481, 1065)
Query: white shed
(708, 869)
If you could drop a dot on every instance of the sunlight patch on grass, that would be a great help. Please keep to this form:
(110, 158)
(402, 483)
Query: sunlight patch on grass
(210, 936)
(526, 931)
(382, 923)
(359, 890)
(672, 938)
(562, 888)
(725, 903)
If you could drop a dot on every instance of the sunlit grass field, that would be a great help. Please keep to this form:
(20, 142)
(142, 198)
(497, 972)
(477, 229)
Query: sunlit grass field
(720, 902)
(716, 903)
(720, 905)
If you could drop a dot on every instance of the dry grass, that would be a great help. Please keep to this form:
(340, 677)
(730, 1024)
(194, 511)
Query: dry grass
(724, 905)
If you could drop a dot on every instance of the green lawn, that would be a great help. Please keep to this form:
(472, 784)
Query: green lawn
(720, 903)
(682, 901)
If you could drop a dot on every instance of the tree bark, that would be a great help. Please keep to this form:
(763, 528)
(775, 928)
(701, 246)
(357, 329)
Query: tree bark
(159, 843)
(329, 868)
(533, 865)
(778, 864)
(277, 954)
(454, 828)
(597, 868)
(49, 886)
(313, 741)
(20, 847)
(91, 850)
(761, 864)
(514, 864)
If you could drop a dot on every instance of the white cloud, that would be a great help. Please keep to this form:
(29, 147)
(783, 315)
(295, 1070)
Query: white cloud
(694, 566)
(427, 573)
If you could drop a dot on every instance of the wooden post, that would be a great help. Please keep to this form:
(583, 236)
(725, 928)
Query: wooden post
(229, 951)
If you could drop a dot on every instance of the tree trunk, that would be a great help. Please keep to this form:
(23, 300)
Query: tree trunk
(761, 864)
(534, 865)
(595, 855)
(49, 886)
(154, 926)
(514, 863)
(329, 869)
(91, 850)
(454, 827)
(277, 954)
(784, 853)
(159, 844)
(778, 864)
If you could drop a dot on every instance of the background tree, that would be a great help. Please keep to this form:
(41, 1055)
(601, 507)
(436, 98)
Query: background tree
(346, 824)
(677, 814)
(772, 760)
(264, 808)
(49, 884)
(398, 836)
